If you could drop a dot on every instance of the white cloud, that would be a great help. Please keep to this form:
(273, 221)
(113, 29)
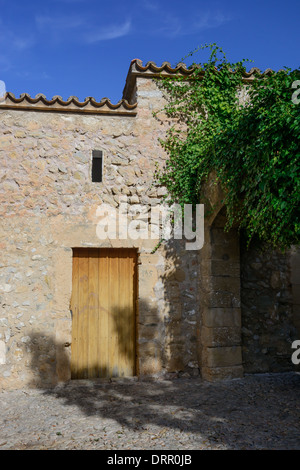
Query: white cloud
(171, 26)
(174, 26)
(22, 43)
(82, 29)
(58, 23)
(58, 29)
(12, 43)
(209, 20)
(150, 6)
(109, 32)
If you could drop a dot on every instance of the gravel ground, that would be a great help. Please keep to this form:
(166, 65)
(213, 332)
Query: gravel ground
(256, 412)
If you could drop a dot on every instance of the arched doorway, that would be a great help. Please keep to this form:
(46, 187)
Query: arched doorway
(220, 352)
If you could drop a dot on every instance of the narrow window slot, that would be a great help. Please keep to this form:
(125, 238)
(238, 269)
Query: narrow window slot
(97, 164)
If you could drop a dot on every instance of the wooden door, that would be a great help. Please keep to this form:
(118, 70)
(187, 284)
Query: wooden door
(103, 313)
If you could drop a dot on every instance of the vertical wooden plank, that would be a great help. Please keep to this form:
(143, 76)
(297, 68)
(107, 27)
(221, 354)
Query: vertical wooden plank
(130, 317)
(74, 310)
(122, 324)
(103, 358)
(127, 313)
(132, 311)
(83, 311)
(93, 313)
(136, 314)
(104, 313)
(114, 314)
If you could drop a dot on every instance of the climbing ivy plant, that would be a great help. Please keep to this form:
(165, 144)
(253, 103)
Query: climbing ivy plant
(246, 134)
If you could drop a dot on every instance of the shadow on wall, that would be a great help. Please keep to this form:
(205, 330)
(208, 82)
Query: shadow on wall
(168, 332)
(51, 359)
(267, 309)
(181, 304)
(43, 350)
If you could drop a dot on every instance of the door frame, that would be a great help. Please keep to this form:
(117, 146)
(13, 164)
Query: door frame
(134, 251)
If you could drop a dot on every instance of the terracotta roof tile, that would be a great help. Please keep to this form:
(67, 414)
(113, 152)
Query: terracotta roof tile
(166, 69)
(126, 106)
(72, 104)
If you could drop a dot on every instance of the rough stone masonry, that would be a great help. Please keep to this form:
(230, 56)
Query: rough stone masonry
(198, 313)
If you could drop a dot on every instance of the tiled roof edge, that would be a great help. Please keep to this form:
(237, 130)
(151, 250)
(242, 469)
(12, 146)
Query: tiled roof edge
(72, 104)
(166, 67)
(151, 69)
(126, 106)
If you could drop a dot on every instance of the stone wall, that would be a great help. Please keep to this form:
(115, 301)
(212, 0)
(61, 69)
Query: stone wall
(295, 281)
(221, 355)
(216, 311)
(48, 206)
(269, 310)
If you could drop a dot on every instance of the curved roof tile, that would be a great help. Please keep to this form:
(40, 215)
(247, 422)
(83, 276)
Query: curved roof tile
(72, 104)
(166, 67)
(126, 106)
(150, 68)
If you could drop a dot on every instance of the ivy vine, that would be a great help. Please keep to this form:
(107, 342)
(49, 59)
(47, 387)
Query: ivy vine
(246, 134)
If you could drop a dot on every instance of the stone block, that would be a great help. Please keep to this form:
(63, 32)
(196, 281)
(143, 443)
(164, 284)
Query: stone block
(149, 332)
(296, 293)
(149, 366)
(220, 317)
(226, 284)
(2, 352)
(148, 278)
(205, 267)
(147, 349)
(222, 336)
(215, 374)
(175, 363)
(222, 299)
(225, 253)
(295, 267)
(222, 356)
(296, 313)
(220, 237)
(228, 268)
(174, 329)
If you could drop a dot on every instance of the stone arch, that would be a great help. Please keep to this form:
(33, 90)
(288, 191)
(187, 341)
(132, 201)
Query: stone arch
(220, 353)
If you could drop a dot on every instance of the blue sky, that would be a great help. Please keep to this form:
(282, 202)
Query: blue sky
(84, 47)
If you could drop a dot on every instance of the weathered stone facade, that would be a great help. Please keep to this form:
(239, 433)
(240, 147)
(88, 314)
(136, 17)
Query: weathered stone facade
(269, 309)
(189, 302)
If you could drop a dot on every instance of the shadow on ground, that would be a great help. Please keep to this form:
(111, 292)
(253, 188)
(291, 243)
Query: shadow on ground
(256, 412)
